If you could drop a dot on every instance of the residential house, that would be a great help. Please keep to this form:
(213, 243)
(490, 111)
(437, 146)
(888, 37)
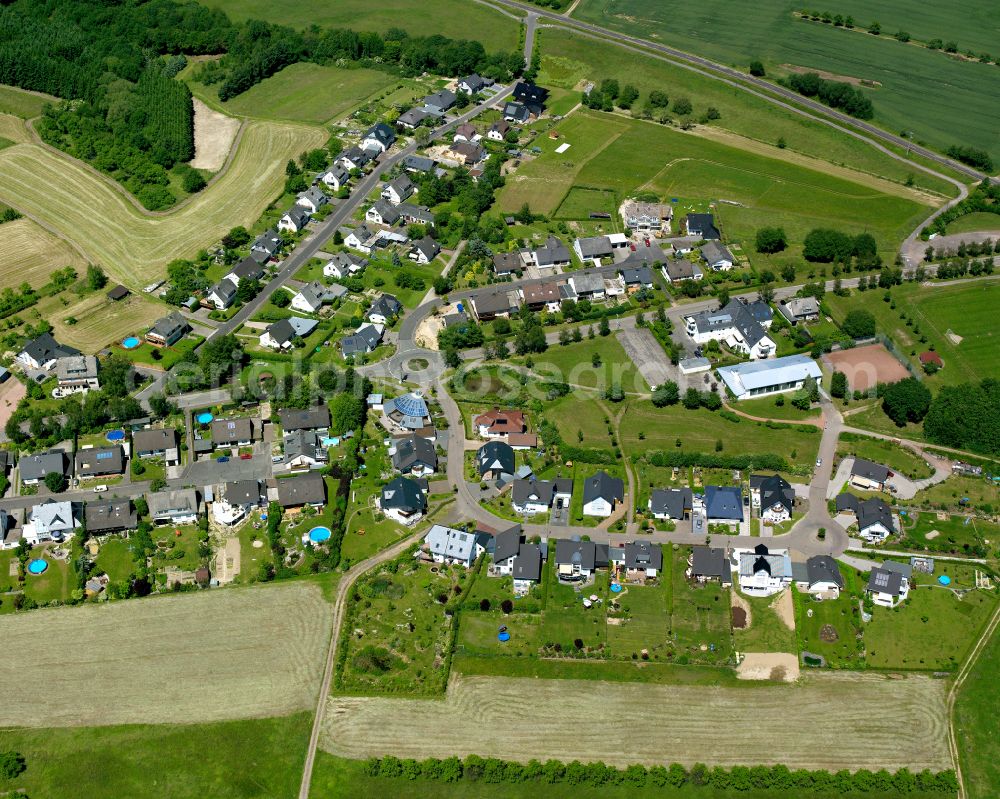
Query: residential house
(550, 255)
(538, 296)
(799, 309)
(601, 494)
(100, 461)
(281, 335)
(637, 277)
(384, 310)
(588, 285)
(526, 568)
(440, 102)
(178, 506)
(312, 200)
(762, 378)
(33, 468)
(414, 455)
(398, 190)
(222, 294)
(77, 373)
(676, 271)
(710, 563)
(530, 496)
(415, 214)
(717, 257)
(494, 459)
(578, 560)
(294, 220)
(820, 577)
(418, 163)
(473, 84)
(889, 584)
(168, 330)
(247, 269)
(456, 547)
(304, 449)
(516, 112)
(342, 265)
(869, 476)
(408, 412)
(314, 418)
(637, 560)
(773, 495)
(383, 213)
(360, 238)
(703, 226)
(378, 138)
(238, 500)
(467, 153)
(763, 572)
(158, 442)
(43, 351)
(355, 158)
(467, 133)
(498, 130)
(51, 521)
(313, 296)
(335, 178)
(362, 341)
(114, 516)
(532, 96)
(723, 504)
(735, 326)
(507, 263)
(237, 432)
(266, 246)
(413, 119)
(503, 549)
(403, 501)
(874, 517)
(645, 217)
(593, 249)
(301, 491)
(424, 251)
(490, 305)
(670, 503)
(499, 423)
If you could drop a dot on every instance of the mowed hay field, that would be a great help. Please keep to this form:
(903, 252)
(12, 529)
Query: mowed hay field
(309, 93)
(826, 722)
(100, 321)
(922, 91)
(30, 254)
(13, 129)
(135, 247)
(209, 656)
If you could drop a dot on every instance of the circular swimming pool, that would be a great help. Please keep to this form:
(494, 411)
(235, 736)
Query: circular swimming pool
(115, 435)
(944, 579)
(615, 588)
(319, 534)
(131, 343)
(204, 418)
(37, 566)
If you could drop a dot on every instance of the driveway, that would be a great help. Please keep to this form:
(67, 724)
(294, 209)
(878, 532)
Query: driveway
(840, 478)
(559, 517)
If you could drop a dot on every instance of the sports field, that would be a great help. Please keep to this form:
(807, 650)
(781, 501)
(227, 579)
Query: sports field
(30, 254)
(823, 723)
(867, 366)
(451, 18)
(309, 93)
(921, 91)
(135, 247)
(624, 156)
(245, 653)
(21, 103)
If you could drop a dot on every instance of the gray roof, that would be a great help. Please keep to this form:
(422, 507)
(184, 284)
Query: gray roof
(165, 503)
(884, 581)
(386, 305)
(798, 307)
(315, 196)
(506, 544)
(225, 289)
(847, 501)
(674, 502)
(736, 314)
(268, 242)
(304, 444)
(494, 302)
(356, 156)
(703, 225)
(506, 262)
(381, 133)
(587, 282)
(528, 563)
(516, 111)
(243, 492)
(474, 82)
(402, 185)
(298, 215)
(775, 490)
(156, 440)
(724, 502)
(428, 247)
(418, 163)
(76, 367)
(303, 489)
(447, 542)
(35, 467)
(413, 117)
(414, 450)
(388, 212)
(603, 486)
(365, 339)
(595, 246)
(225, 431)
(100, 460)
(586, 553)
(870, 471)
(710, 562)
(552, 252)
(638, 275)
(541, 491)
(643, 555)
(44, 348)
(117, 514)
(53, 516)
(874, 511)
(905, 569)
(495, 456)
(442, 100)
(403, 494)
(713, 252)
(823, 569)
(681, 270)
(247, 269)
(315, 418)
(167, 327)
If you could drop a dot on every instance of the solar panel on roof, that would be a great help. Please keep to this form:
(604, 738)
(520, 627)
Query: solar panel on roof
(103, 456)
(231, 425)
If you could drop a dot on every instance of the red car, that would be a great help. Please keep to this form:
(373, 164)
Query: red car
(246, 457)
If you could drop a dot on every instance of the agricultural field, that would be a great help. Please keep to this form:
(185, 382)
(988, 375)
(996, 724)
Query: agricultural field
(32, 254)
(99, 321)
(569, 58)
(978, 744)
(934, 628)
(498, 716)
(249, 758)
(13, 130)
(965, 310)
(623, 156)
(307, 92)
(450, 18)
(900, 459)
(23, 104)
(206, 656)
(134, 247)
(974, 223)
(925, 92)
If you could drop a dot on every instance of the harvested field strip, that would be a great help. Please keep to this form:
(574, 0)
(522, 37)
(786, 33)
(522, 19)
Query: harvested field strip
(100, 321)
(823, 723)
(30, 254)
(12, 128)
(133, 246)
(228, 654)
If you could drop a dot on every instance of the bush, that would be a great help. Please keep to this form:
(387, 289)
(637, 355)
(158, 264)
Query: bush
(771, 240)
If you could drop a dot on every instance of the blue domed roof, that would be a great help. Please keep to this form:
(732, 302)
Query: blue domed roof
(412, 405)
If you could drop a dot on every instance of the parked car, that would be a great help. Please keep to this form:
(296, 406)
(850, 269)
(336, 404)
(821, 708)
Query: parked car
(245, 456)
(222, 459)
(101, 488)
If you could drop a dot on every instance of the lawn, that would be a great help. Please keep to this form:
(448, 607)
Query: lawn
(569, 57)
(33, 255)
(933, 629)
(873, 418)
(574, 364)
(642, 623)
(897, 457)
(133, 246)
(173, 550)
(974, 223)
(700, 624)
(450, 18)
(920, 91)
(966, 310)
(309, 92)
(56, 583)
(830, 628)
(975, 730)
(958, 493)
(24, 104)
(115, 559)
(580, 202)
(956, 535)
(767, 632)
(168, 355)
(249, 759)
(768, 408)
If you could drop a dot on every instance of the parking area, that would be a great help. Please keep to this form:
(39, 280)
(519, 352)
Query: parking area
(648, 356)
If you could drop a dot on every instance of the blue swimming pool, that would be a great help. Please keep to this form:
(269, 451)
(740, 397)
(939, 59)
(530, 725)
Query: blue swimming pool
(319, 534)
(204, 418)
(615, 588)
(944, 579)
(37, 566)
(115, 435)
(131, 343)
(503, 637)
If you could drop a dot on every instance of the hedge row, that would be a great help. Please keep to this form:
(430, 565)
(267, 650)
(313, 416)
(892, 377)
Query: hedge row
(738, 778)
(760, 460)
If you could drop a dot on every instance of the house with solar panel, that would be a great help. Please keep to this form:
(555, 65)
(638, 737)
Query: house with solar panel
(456, 547)
(889, 584)
(233, 432)
(100, 461)
(408, 414)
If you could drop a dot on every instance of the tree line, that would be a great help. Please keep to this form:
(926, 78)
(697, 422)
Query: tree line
(833, 93)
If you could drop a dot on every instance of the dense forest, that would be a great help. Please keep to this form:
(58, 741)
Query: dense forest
(114, 63)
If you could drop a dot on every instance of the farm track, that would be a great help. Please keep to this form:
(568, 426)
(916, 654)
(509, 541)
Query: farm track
(496, 716)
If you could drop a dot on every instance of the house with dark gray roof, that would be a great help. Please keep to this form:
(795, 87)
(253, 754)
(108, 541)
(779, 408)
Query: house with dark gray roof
(821, 578)
(593, 248)
(384, 310)
(550, 255)
(670, 503)
(168, 330)
(676, 271)
(710, 563)
(304, 449)
(724, 504)
(889, 584)
(577, 560)
(601, 494)
(507, 263)
(314, 418)
(398, 189)
(247, 269)
(362, 341)
(33, 468)
(636, 277)
(266, 246)
(736, 326)
(237, 432)
(494, 459)
(302, 490)
(492, 304)
(874, 517)
(403, 500)
(355, 158)
(156, 442)
(869, 476)
(532, 96)
(100, 461)
(473, 84)
(222, 294)
(530, 496)
(414, 455)
(294, 219)
(637, 560)
(440, 101)
(312, 200)
(703, 226)
(424, 251)
(335, 178)
(418, 163)
(281, 335)
(516, 112)
(43, 351)
(113, 516)
(413, 118)
(378, 138)
(717, 256)
(799, 309)
(773, 495)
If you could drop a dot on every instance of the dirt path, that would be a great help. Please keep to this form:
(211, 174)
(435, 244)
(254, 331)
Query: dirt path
(214, 134)
(737, 601)
(785, 608)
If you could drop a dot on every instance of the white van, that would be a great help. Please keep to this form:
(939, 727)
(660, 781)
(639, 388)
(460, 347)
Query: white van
(101, 488)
